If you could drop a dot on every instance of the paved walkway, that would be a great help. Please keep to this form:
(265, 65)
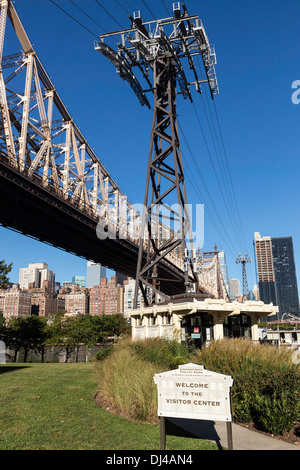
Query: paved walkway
(243, 438)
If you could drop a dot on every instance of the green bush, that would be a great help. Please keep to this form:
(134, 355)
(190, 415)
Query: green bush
(104, 353)
(274, 413)
(266, 389)
(167, 354)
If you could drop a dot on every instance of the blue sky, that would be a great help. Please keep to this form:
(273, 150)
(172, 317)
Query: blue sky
(257, 46)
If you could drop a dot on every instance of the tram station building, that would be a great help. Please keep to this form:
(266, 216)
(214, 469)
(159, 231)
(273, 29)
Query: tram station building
(200, 320)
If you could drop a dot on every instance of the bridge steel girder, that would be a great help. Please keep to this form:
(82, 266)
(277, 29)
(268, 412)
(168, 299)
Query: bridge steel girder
(53, 186)
(36, 211)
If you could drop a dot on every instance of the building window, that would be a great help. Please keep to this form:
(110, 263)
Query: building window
(237, 326)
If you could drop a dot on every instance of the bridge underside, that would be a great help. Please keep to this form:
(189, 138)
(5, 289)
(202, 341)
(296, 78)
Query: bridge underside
(38, 212)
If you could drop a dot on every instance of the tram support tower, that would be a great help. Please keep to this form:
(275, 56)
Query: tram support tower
(243, 260)
(160, 51)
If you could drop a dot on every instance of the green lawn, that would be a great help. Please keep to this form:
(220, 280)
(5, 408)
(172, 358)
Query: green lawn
(52, 407)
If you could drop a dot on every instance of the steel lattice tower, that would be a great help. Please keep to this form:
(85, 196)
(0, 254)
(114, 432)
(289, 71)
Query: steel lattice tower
(158, 49)
(243, 259)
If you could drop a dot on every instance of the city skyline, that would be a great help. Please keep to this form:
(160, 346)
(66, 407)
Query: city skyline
(255, 92)
(107, 274)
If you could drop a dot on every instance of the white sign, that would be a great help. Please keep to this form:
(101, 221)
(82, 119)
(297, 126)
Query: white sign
(195, 393)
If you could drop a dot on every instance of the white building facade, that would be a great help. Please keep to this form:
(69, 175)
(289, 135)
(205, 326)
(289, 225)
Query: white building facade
(35, 274)
(200, 321)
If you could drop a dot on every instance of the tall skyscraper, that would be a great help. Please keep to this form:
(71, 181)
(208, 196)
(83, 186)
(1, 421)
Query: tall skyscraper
(276, 273)
(286, 288)
(94, 273)
(265, 269)
(223, 266)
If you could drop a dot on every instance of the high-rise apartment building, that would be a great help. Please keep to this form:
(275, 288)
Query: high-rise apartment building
(223, 266)
(286, 288)
(276, 272)
(35, 275)
(107, 298)
(43, 300)
(77, 303)
(129, 288)
(120, 278)
(114, 297)
(94, 273)
(265, 269)
(97, 298)
(16, 304)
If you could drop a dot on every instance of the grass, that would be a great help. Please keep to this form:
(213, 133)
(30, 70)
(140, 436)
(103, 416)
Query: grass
(127, 382)
(228, 356)
(52, 407)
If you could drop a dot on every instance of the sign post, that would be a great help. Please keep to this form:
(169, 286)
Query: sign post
(195, 393)
(162, 422)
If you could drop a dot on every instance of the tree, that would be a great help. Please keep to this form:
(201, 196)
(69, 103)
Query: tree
(28, 333)
(69, 332)
(2, 321)
(4, 270)
(111, 325)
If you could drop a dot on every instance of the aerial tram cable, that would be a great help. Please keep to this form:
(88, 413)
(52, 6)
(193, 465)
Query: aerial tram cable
(231, 191)
(205, 186)
(92, 19)
(101, 6)
(226, 160)
(162, 1)
(121, 6)
(74, 19)
(220, 160)
(149, 9)
(213, 165)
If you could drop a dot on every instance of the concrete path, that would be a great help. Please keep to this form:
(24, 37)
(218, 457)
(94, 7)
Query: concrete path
(243, 438)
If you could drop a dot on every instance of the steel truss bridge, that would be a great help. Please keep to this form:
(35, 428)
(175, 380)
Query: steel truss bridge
(54, 188)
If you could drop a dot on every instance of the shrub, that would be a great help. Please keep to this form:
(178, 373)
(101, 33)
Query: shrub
(274, 413)
(266, 387)
(167, 354)
(104, 353)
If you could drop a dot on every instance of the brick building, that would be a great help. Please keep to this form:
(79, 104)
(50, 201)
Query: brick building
(43, 300)
(77, 302)
(107, 298)
(16, 303)
(97, 298)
